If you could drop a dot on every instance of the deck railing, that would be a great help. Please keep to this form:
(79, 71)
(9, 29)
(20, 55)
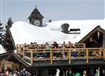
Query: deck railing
(33, 53)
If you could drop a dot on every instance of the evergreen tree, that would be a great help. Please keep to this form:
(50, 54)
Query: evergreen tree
(2, 33)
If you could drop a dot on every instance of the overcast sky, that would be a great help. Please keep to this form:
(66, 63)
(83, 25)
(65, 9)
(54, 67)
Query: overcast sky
(20, 10)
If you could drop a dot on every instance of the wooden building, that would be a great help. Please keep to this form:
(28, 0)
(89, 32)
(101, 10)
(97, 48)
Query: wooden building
(10, 59)
(52, 64)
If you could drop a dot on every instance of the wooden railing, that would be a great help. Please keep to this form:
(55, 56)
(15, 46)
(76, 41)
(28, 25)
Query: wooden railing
(62, 53)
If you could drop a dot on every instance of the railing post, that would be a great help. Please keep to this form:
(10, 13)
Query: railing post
(69, 55)
(23, 51)
(63, 50)
(87, 57)
(31, 57)
(51, 54)
(104, 53)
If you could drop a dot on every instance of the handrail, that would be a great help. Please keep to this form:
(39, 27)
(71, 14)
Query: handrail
(82, 52)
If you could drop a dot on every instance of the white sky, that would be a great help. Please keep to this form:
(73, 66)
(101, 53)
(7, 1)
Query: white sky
(19, 10)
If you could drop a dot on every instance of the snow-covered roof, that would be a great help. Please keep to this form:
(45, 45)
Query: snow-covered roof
(2, 50)
(23, 32)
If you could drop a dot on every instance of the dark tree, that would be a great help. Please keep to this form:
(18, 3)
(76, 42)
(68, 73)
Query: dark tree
(8, 40)
(2, 33)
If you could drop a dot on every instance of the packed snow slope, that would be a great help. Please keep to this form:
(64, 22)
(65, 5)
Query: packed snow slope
(23, 32)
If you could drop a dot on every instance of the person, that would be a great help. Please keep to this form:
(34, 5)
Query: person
(47, 50)
(2, 72)
(6, 72)
(28, 73)
(84, 73)
(11, 73)
(64, 44)
(16, 73)
(23, 73)
(47, 47)
(57, 53)
(70, 44)
(55, 45)
(31, 46)
(77, 74)
(57, 72)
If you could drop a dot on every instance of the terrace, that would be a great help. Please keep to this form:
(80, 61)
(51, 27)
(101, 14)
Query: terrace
(42, 55)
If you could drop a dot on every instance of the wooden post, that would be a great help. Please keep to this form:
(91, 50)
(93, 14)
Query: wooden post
(23, 52)
(104, 53)
(51, 54)
(31, 57)
(63, 50)
(87, 56)
(69, 56)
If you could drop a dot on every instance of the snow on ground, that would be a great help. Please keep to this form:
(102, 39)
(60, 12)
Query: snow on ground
(23, 32)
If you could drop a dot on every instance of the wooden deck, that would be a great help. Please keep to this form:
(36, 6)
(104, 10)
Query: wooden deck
(36, 55)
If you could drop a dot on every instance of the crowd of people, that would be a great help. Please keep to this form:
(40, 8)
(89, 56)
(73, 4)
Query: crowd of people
(53, 45)
(14, 72)
(48, 46)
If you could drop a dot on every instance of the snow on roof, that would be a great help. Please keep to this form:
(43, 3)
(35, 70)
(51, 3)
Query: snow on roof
(23, 32)
(2, 50)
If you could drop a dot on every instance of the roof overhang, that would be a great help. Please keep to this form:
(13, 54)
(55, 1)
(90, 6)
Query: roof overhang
(97, 28)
